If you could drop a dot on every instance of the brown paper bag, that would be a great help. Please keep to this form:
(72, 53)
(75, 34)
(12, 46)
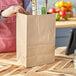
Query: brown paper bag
(35, 39)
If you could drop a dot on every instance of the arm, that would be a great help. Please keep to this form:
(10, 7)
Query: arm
(11, 11)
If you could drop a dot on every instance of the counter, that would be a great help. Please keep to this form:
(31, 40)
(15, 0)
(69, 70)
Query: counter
(71, 22)
(63, 66)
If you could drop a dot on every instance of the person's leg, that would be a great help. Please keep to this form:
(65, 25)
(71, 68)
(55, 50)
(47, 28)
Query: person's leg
(27, 5)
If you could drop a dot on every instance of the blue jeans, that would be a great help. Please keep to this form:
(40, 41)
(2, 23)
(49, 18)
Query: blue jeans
(27, 5)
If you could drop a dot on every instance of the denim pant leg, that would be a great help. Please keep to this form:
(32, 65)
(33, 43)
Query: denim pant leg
(27, 5)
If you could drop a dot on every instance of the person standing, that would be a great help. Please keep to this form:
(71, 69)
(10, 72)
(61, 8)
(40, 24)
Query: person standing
(8, 26)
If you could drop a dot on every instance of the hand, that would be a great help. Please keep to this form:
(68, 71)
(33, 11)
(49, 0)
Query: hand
(11, 11)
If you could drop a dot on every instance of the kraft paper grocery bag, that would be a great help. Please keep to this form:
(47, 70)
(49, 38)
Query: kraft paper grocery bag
(35, 39)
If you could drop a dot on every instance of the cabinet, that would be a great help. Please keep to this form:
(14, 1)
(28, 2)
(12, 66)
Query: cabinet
(62, 36)
(63, 31)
